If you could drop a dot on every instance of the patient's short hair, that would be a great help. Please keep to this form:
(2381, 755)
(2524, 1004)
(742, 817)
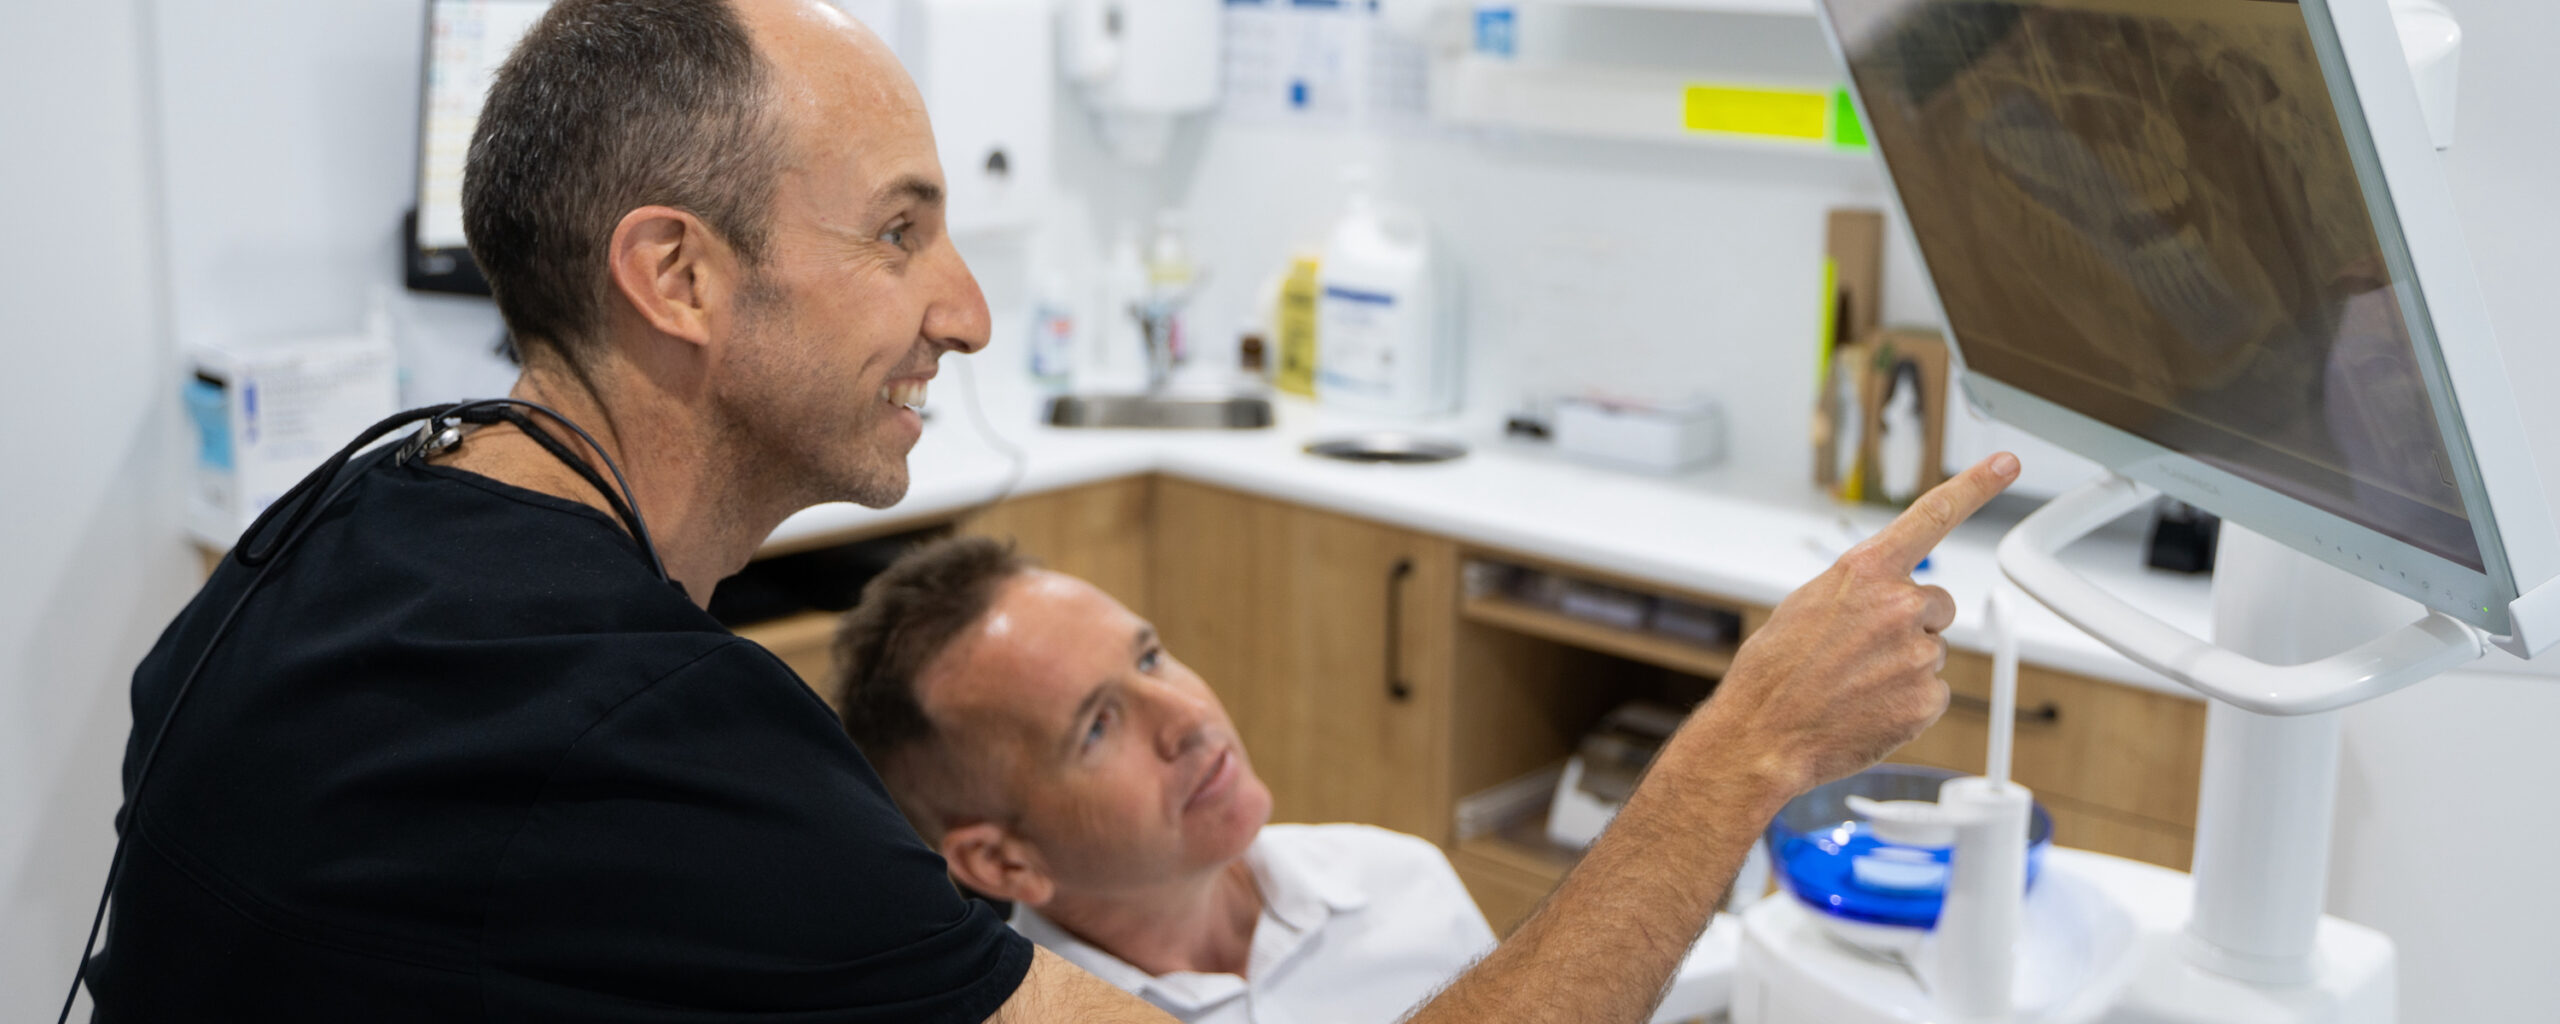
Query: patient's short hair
(907, 617)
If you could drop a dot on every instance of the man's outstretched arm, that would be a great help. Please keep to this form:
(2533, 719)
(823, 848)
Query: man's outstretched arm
(1845, 671)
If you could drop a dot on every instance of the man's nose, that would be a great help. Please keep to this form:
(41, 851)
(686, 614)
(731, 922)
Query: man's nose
(957, 317)
(1182, 719)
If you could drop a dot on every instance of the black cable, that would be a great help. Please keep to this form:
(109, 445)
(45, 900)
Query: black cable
(1018, 461)
(628, 504)
(561, 452)
(294, 524)
(300, 512)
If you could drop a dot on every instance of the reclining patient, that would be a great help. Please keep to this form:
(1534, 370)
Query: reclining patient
(1040, 736)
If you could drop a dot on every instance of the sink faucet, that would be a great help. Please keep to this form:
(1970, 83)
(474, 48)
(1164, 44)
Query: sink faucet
(1155, 316)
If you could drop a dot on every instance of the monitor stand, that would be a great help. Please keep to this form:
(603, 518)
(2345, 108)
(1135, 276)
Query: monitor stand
(2242, 939)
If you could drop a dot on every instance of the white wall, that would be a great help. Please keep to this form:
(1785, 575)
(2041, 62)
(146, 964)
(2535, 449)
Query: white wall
(1646, 270)
(92, 563)
(289, 132)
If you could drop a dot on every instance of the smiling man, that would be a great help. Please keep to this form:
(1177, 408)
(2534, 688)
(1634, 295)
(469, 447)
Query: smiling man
(1040, 735)
(467, 754)
(470, 748)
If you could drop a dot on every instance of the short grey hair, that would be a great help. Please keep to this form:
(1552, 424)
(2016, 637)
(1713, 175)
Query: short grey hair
(607, 106)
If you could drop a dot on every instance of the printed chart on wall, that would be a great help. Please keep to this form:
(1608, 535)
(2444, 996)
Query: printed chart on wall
(1322, 62)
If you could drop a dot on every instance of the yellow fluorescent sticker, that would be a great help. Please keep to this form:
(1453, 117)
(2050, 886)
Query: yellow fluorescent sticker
(1775, 113)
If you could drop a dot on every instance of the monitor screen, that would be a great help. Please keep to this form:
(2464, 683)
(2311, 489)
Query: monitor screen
(2152, 214)
(466, 41)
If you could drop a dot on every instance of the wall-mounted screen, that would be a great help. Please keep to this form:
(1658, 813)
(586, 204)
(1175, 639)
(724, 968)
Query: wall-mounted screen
(466, 41)
(2167, 223)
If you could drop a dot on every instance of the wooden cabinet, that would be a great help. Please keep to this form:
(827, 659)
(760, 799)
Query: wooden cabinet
(2116, 766)
(1097, 531)
(1328, 638)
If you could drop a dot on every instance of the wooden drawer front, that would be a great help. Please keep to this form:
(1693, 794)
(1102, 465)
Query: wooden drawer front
(2108, 746)
(1097, 532)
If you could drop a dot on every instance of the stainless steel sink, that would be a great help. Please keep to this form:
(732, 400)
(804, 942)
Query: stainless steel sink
(1155, 412)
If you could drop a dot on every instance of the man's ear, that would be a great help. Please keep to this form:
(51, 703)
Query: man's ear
(986, 858)
(673, 270)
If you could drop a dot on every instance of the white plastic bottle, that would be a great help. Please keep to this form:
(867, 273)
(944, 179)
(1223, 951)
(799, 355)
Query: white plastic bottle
(1117, 348)
(1384, 314)
(1053, 332)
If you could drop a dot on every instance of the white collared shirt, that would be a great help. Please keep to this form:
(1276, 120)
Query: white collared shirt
(1359, 925)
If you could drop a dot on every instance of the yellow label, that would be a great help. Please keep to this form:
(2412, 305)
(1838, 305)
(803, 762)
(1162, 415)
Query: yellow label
(1296, 371)
(1771, 113)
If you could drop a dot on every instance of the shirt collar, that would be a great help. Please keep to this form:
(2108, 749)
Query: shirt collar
(1298, 889)
(1298, 892)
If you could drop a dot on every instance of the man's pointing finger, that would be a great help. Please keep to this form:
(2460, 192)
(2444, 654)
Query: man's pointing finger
(1917, 531)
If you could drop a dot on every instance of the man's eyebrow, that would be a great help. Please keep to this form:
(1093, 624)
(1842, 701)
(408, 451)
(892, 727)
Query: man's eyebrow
(913, 188)
(1146, 638)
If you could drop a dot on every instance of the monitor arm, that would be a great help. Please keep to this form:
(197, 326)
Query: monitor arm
(2029, 555)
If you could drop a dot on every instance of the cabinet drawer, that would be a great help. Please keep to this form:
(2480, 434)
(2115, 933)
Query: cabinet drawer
(2109, 746)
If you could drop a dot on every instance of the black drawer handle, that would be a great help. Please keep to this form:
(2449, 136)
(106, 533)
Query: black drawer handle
(1397, 689)
(2046, 713)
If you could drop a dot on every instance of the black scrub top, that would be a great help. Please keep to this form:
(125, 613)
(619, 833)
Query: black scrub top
(465, 757)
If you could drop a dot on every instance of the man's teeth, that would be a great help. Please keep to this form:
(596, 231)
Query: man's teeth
(906, 393)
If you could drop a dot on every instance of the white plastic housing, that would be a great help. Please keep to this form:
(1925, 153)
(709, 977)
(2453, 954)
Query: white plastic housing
(2432, 41)
(985, 69)
(1141, 64)
(1974, 958)
(2417, 651)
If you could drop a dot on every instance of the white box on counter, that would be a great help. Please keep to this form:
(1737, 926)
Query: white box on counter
(267, 413)
(1658, 439)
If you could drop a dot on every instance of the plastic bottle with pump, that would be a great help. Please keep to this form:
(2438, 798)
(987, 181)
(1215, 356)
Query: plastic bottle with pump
(1384, 311)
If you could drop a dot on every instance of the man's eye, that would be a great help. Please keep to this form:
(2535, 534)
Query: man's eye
(1147, 662)
(894, 236)
(1101, 724)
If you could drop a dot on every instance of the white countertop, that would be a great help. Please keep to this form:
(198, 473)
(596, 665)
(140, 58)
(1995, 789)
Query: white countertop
(1701, 531)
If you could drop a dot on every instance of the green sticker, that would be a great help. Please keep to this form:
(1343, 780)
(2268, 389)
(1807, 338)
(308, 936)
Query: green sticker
(1846, 132)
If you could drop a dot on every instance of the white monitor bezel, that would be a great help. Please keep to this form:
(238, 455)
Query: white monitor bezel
(2501, 488)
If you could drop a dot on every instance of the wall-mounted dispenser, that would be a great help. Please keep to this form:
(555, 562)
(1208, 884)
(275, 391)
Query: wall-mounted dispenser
(1142, 64)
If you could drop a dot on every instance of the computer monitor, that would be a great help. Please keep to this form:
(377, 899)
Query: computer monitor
(2208, 244)
(466, 41)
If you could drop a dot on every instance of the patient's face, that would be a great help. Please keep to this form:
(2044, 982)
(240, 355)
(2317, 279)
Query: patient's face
(1120, 763)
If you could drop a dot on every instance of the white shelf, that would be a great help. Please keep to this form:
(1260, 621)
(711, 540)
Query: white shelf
(1794, 8)
(1589, 101)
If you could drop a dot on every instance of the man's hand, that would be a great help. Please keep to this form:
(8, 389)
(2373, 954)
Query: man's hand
(1847, 668)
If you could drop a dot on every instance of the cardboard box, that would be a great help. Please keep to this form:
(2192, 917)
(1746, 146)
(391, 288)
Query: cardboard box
(1654, 439)
(268, 413)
